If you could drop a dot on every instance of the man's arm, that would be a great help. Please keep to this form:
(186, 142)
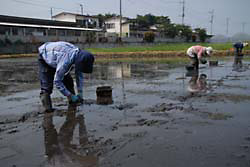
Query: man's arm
(61, 71)
(79, 82)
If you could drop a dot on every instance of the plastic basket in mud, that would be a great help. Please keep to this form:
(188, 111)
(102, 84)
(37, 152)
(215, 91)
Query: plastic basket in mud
(104, 95)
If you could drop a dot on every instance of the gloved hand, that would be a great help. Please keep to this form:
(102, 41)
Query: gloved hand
(80, 94)
(73, 99)
(203, 61)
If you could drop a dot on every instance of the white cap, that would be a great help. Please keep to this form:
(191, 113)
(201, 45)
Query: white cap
(209, 50)
(245, 44)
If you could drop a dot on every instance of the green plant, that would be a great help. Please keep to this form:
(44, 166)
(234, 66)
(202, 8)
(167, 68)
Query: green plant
(19, 42)
(149, 37)
(7, 41)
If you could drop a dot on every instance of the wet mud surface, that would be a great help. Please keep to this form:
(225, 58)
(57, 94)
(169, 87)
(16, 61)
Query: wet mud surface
(159, 117)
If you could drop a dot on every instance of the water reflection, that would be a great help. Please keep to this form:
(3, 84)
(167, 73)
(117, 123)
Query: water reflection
(110, 71)
(197, 83)
(59, 146)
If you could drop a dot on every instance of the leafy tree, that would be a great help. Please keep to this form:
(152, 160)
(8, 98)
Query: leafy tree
(202, 33)
(184, 31)
(148, 20)
(170, 30)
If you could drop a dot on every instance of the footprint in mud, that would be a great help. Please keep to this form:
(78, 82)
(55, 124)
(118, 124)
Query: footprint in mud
(17, 98)
(125, 106)
(215, 116)
(163, 107)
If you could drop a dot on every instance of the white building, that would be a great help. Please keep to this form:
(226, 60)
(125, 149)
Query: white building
(113, 26)
(81, 20)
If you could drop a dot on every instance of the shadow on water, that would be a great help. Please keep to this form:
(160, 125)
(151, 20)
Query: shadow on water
(59, 146)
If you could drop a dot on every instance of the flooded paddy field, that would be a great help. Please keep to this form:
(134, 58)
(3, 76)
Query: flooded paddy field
(160, 116)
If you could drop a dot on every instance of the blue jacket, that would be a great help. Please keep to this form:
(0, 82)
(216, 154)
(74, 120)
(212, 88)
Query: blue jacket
(238, 46)
(62, 56)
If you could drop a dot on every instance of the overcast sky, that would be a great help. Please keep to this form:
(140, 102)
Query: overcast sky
(196, 11)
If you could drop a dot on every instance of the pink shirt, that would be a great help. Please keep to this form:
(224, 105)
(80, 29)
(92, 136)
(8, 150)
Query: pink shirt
(198, 50)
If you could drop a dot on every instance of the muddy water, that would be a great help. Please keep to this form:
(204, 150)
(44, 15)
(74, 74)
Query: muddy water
(160, 117)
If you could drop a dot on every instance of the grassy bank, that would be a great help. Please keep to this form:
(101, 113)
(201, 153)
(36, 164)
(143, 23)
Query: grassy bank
(162, 47)
(161, 51)
(169, 60)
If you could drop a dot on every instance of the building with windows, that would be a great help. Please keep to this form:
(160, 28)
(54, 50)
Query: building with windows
(30, 30)
(84, 21)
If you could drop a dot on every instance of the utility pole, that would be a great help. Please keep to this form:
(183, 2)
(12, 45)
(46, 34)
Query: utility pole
(183, 11)
(211, 21)
(51, 13)
(120, 19)
(243, 27)
(227, 26)
(81, 5)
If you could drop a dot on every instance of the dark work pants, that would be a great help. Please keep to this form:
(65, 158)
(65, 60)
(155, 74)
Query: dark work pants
(46, 76)
(238, 59)
(195, 62)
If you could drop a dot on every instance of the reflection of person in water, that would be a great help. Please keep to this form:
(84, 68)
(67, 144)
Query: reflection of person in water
(238, 54)
(198, 83)
(58, 145)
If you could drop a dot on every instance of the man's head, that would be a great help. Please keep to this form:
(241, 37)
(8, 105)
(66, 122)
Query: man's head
(209, 50)
(85, 62)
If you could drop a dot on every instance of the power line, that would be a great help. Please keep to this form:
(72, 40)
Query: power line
(227, 26)
(211, 21)
(40, 5)
(183, 11)
(81, 5)
(51, 13)
(120, 19)
(243, 26)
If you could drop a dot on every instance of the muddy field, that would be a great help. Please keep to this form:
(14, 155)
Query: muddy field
(160, 116)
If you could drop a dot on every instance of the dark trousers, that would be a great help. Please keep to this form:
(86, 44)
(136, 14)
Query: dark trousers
(46, 76)
(238, 56)
(195, 62)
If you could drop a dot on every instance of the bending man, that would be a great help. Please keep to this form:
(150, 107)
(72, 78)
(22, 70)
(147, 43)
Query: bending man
(55, 62)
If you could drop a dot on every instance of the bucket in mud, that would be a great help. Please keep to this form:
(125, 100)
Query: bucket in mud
(189, 67)
(104, 95)
(213, 63)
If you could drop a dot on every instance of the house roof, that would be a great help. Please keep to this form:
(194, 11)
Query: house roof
(47, 26)
(25, 20)
(66, 13)
(36, 23)
(117, 17)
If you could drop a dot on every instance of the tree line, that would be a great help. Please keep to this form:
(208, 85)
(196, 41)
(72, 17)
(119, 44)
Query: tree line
(164, 25)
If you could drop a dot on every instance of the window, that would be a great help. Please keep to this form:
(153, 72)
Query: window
(51, 32)
(61, 32)
(78, 33)
(14, 31)
(29, 31)
(4, 30)
(110, 25)
(70, 33)
(42, 31)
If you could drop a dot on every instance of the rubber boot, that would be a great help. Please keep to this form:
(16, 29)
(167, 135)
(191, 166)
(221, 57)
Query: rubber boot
(46, 102)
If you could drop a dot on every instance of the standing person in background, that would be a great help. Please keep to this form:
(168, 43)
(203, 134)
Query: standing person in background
(197, 54)
(56, 60)
(238, 55)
